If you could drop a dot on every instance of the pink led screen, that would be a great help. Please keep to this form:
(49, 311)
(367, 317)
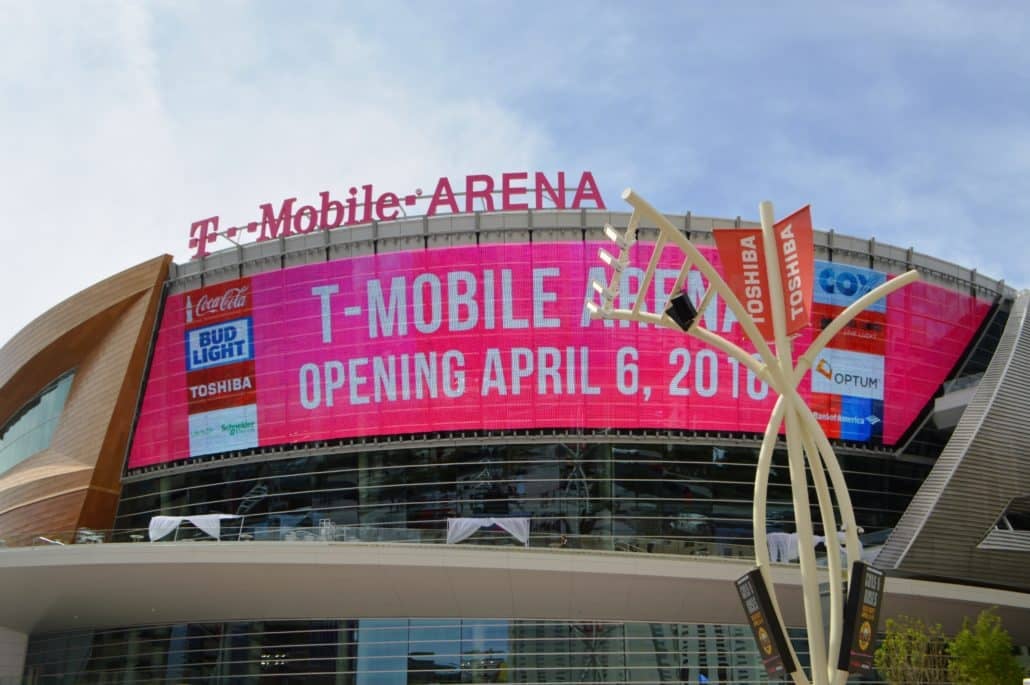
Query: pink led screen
(495, 337)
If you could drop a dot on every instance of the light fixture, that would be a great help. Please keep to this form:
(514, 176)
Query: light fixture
(610, 259)
(604, 292)
(681, 310)
(619, 239)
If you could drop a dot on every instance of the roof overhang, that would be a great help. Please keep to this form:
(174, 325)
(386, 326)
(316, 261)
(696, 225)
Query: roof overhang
(45, 589)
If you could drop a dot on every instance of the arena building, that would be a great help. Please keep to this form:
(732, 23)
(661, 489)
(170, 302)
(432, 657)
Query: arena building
(397, 450)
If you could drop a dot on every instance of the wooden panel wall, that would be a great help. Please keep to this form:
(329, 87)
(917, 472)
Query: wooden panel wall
(103, 333)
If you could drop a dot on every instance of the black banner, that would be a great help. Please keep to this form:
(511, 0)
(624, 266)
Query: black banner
(861, 618)
(772, 643)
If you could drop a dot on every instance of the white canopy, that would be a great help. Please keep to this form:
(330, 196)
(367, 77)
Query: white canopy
(783, 547)
(463, 528)
(160, 526)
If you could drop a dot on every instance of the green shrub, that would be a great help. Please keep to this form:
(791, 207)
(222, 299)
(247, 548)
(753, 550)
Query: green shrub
(982, 655)
(912, 653)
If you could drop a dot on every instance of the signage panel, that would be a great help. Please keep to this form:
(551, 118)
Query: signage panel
(772, 642)
(861, 618)
(743, 255)
(220, 369)
(840, 285)
(854, 374)
(512, 191)
(795, 250)
(219, 344)
(496, 337)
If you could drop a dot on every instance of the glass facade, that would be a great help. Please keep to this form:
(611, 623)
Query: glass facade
(402, 651)
(927, 438)
(674, 498)
(30, 430)
(607, 486)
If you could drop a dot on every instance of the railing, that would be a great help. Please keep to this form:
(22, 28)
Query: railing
(232, 532)
(642, 544)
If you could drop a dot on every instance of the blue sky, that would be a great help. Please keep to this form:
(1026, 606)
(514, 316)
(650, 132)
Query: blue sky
(121, 123)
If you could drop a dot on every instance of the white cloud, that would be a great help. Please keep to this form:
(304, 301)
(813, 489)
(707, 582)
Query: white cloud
(132, 133)
(124, 123)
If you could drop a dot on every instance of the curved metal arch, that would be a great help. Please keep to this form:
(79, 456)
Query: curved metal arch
(806, 440)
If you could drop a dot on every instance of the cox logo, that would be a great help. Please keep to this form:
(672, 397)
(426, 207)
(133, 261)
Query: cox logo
(848, 283)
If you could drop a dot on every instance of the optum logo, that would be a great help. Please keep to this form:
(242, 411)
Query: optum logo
(848, 380)
(849, 374)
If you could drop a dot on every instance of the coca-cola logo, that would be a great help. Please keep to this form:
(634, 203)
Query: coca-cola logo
(208, 305)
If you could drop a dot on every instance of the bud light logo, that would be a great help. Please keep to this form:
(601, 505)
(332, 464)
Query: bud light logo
(840, 285)
(218, 344)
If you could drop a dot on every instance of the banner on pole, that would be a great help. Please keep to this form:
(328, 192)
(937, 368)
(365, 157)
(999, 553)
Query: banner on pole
(794, 246)
(861, 616)
(772, 642)
(744, 266)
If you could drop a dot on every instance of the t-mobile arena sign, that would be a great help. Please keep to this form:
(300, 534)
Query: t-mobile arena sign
(511, 192)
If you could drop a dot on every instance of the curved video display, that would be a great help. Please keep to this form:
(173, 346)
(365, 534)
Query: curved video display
(496, 337)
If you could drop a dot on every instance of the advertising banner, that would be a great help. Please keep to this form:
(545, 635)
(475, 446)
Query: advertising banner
(219, 346)
(497, 337)
(796, 251)
(772, 642)
(861, 618)
(849, 377)
(743, 256)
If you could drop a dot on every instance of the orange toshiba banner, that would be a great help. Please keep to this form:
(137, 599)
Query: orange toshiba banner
(743, 258)
(797, 265)
(743, 265)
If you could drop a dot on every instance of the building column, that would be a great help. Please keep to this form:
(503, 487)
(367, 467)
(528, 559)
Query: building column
(13, 645)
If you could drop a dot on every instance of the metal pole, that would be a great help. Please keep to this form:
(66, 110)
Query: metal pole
(805, 437)
(795, 455)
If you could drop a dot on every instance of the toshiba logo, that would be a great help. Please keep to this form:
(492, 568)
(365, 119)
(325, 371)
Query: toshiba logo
(221, 387)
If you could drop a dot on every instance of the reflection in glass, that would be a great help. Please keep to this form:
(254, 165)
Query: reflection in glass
(30, 430)
(379, 651)
(678, 499)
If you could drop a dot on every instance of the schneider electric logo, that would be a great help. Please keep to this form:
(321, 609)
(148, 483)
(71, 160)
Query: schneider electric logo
(234, 429)
(854, 374)
(223, 430)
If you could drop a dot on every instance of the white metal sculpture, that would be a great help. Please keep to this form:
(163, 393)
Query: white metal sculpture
(805, 438)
